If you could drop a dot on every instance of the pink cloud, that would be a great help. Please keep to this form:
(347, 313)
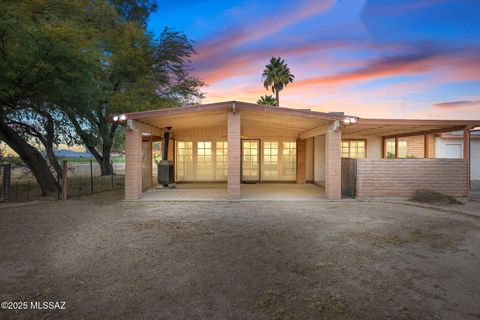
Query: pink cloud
(457, 104)
(260, 28)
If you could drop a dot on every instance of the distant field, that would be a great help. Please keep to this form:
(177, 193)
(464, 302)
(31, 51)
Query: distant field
(85, 160)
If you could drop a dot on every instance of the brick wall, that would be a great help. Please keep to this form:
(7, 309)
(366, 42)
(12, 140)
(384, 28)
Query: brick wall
(416, 145)
(333, 164)
(301, 161)
(233, 138)
(133, 164)
(400, 177)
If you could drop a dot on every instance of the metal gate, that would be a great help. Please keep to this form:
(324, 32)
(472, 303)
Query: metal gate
(349, 177)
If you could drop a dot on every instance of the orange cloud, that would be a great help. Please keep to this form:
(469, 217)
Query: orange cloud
(457, 62)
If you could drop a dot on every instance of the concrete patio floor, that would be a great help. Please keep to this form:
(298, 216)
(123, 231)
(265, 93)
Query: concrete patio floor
(249, 192)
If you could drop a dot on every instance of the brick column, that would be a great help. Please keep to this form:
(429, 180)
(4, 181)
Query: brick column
(301, 161)
(333, 164)
(233, 138)
(133, 164)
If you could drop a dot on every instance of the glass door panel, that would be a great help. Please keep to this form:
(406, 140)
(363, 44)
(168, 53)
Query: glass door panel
(250, 160)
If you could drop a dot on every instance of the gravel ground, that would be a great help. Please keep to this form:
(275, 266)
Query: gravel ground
(109, 259)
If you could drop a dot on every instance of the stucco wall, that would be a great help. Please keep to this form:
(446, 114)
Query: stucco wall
(441, 152)
(319, 159)
(401, 177)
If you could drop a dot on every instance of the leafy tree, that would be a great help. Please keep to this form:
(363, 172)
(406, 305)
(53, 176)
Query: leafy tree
(48, 56)
(139, 73)
(267, 100)
(277, 75)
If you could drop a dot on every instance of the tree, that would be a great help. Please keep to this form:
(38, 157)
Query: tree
(48, 55)
(267, 100)
(139, 73)
(277, 75)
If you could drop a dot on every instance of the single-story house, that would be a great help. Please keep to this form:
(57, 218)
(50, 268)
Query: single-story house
(236, 142)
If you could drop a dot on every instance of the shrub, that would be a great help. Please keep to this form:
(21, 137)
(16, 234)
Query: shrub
(433, 197)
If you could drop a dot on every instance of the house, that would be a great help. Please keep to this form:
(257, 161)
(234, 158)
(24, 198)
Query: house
(237, 142)
(450, 145)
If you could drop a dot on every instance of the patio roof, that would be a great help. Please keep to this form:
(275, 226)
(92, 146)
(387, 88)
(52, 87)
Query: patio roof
(396, 128)
(298, 121)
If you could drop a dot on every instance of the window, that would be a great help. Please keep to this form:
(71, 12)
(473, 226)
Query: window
(221, 160)
(289, 160)
(353, 148)
(204, 160)
(184, 165)
(270, 160)
(402, 149)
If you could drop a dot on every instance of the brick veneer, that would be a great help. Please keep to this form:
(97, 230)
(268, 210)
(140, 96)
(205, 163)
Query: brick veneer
(400, 177)
(301, 160)
(333, 164)
(233, 138)
(416, 145)
(133, 164)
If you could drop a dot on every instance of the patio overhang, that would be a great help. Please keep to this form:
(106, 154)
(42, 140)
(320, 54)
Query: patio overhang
(294, 121)
(397, 128)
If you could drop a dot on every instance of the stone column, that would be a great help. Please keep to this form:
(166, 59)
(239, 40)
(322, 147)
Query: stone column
(233, 138)
(133, 164)
(333, 164)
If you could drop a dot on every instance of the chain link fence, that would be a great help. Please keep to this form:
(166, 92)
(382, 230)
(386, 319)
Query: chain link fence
(83, 178)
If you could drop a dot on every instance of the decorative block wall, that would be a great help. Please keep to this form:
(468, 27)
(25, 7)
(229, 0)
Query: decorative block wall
(401, 177)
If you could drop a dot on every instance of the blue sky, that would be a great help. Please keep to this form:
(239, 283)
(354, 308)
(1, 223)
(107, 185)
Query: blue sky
(394, 58)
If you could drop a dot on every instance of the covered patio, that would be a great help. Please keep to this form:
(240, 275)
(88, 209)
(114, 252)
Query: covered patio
(242, 151)
(249, 192)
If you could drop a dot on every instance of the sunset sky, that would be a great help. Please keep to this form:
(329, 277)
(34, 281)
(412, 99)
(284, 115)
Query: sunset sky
(395, 58)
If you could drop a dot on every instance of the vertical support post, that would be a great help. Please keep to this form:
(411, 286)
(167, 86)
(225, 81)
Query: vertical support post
(466, 156)
(91, 176)
(149, 156)
(301, 161)
(111, 163)
(59, 189)
(7, 168)
(233, 139)
(396, 148)
(133, 164)
(333, 164)
(64, 180)
(384, 151)
(426, 146)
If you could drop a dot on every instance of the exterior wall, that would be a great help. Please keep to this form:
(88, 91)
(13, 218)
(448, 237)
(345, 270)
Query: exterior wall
(310, 159)
(416, 146)
(319, 160)
(147, 174)
(441, 152)
(401, 177)
(374, 145)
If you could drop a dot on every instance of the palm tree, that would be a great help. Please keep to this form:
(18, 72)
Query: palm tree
(277, 75)
(267, 100)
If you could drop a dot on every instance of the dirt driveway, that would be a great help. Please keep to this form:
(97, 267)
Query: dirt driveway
(260, 260)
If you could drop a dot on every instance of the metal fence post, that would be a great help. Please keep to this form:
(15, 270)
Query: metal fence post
(111, 164)
(6, 182)
(91, 176)
(64, 180)
(58, 185)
